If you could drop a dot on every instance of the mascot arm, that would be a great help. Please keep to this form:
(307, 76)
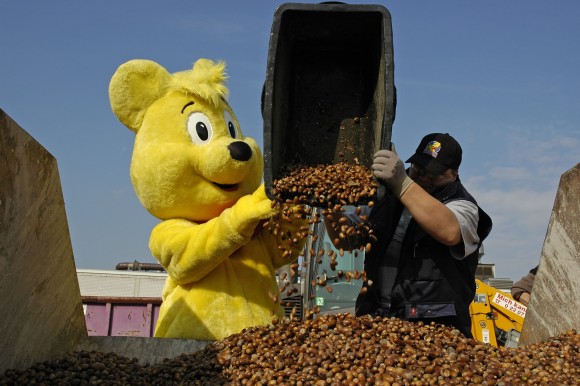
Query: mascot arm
(189, 251)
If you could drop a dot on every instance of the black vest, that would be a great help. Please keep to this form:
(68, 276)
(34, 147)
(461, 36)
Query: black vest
(430, 283)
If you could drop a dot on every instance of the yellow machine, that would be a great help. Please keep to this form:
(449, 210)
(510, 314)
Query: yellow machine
(496, 317)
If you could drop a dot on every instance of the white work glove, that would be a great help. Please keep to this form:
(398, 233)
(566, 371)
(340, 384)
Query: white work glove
(389, 170)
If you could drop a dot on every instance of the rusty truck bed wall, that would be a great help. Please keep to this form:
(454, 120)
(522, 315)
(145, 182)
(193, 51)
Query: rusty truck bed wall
(329, 92)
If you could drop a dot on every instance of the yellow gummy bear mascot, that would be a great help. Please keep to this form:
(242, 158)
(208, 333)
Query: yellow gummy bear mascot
(193, 168)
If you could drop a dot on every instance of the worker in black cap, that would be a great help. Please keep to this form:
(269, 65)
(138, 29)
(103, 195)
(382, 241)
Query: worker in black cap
(429, 230)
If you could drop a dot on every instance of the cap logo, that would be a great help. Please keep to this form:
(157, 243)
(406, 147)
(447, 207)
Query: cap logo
(433, 148)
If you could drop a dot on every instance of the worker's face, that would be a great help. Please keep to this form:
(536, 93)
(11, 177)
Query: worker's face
(429, 181)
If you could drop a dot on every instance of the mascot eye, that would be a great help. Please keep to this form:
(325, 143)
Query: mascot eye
(232, 128)
(199, 128)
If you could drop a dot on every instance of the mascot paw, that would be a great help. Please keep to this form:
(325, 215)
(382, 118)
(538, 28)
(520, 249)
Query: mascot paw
(250, 209)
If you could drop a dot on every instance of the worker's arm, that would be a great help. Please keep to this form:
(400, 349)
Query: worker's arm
(333, 231)
(522, 288)
(524, 298)
(432, 215)
(332, 224)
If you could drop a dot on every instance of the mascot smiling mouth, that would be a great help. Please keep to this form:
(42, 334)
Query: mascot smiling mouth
(227, 187)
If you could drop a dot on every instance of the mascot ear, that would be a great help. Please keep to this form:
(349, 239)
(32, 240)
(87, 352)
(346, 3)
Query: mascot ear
(134, 87)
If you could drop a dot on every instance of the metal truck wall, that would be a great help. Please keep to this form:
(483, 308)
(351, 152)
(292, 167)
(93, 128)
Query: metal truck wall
(329, 92)
(42, 315)
(555, 298)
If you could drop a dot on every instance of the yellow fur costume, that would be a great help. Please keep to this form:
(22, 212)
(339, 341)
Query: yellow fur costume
(193, 168)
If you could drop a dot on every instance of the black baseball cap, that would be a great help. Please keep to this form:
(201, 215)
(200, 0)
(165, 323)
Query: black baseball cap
(437, 152)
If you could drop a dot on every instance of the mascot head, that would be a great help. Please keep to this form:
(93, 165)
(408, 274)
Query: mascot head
(190, 158)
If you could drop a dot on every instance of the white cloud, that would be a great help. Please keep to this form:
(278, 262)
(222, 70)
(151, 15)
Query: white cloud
(520, 219)
(510, 173)
(518, 191)
(542, 149)
(524, 209)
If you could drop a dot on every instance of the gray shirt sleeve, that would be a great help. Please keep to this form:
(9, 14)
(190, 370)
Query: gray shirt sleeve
(467, 215)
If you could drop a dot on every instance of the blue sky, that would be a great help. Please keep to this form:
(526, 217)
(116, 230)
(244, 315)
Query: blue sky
(501, 76)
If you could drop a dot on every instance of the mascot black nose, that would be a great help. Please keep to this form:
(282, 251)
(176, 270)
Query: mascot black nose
(240, 151)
